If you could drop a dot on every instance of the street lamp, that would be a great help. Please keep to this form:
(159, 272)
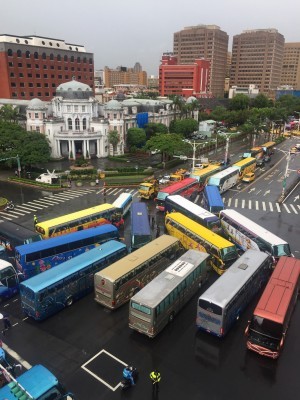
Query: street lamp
(195, 146)
(297, 112)
(288, 157)
(227, 148)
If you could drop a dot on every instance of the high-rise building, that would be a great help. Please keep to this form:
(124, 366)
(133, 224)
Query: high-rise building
(257, 57)
(290, 75)
(33, 66)
(208, 42)
(124, 75)
(183, 79)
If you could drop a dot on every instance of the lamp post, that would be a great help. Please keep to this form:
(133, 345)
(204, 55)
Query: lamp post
(195, 146)
(298, 112)
(288, 157)
(227, 148)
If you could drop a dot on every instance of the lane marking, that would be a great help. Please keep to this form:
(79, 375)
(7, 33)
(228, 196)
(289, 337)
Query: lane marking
(286, 207)
(271, 206)
(250, 204)
(256, 205)
(264, 206)
(278, 207)
(243, 203)
(16, 356)
(294, 209)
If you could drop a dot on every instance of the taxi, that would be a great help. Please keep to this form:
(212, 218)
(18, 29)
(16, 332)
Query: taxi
(249, 177)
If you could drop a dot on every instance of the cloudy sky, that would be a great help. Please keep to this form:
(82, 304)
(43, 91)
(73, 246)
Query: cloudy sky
(122, 32)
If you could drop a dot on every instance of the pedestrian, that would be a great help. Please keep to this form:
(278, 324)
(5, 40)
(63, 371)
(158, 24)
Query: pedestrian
(97, 181)
(153, 221)
(35, 221)
(157, 231)
(6, 323)
(155, 379)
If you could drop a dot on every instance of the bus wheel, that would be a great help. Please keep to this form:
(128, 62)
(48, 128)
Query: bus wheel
(171, 317)
(69, 301)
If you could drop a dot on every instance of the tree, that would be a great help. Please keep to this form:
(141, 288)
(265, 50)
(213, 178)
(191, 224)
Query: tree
(113, 139)
(168, 144)
(239, 102)
(261, 101)
(153, 128)
(184, 127)
(8, 113)
(136, 137)
(178, 104)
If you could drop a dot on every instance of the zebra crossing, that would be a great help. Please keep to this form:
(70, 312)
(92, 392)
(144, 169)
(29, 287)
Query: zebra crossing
(57, 199)
(257, 205)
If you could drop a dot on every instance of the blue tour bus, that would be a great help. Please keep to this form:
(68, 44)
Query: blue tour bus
(140, 226)
(33, 258)
(198, 214)
(123, 203)
(45, 294)
(9, 280)
(36, 383)
(212, 200)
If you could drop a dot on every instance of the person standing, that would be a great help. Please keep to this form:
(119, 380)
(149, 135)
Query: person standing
(157, 231)
(6, 323)
(35, 220)
(155, 379)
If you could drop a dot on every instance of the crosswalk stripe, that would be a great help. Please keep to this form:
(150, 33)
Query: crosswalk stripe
(54, 197)
(10, 217)
(294, 209)
(278, 207)
(16, 212)
(264, 206)
(229, 202)
(51, 202)
(243, 203)
(236, 202)
(35, 205)
(40, 203)
(112, 192)
(6, 218)
(27, 207)
(250, 204)
(24, 211)
(256, 205)
(271, 206)
(286, 207)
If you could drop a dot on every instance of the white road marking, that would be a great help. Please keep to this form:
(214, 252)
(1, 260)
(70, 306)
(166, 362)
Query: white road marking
(264, 206)
(250, 204)
(229, 202)
(294, 209)
(16, 356)
(256, 205)
(286, 207)
(271, 206)
(278, 207)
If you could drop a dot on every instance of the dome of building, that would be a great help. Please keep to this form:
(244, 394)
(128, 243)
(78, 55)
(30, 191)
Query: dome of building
(36, 104)
(113, 105)
(74, 90)
(120, 96)
(191, 99)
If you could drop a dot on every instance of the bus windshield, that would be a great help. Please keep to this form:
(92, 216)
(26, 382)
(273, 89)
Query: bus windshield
(214, 181)
(282, 250)
(228, 252)
(266, 327)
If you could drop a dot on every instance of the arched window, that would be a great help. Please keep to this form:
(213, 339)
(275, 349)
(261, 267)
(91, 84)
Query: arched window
(84, 124)
(36, 55)
(70, 125)
(27, 54)
(78, 59)
(77, 124)
(19, 53)
(84, 59)
(51, 56)
(91, 61)
(44, 56)
(72, 58)
(58, 57)
(9, 52)
(65, 58)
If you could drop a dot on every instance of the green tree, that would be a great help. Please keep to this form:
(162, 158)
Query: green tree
(8, 113)
(113, 139)
(261, 101)
(239, 102)
(153, 128)
(136, 137)
(168, 144)
(184, 127)
(178, 104)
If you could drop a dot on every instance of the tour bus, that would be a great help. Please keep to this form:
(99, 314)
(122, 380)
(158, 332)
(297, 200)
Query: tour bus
(38, 383)
(212, 200)
(188, 188)
(140, 225)
(9, 281)
(31, 259)
(246, 234)
(45, 294)
(123, 203)
(224, 301)
(117, 283)
(266, 332)
(195, 236)
(12, 235)
(77, 221)
(203, 174)
(268, 148)
(225, 179)
(245, 166)
(157, 303)
(256, 152)
(198, 214)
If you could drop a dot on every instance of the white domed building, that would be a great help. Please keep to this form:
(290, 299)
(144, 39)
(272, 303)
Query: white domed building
(71, 122)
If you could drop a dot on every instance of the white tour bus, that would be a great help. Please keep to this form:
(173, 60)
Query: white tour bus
(123, 203)
(225, 179)
(223, 302)
(156, 304)
(246, 234)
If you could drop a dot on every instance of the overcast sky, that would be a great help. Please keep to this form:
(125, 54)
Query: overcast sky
(122, 32)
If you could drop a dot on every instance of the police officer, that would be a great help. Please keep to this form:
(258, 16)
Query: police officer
(155, 379)
(35, 221)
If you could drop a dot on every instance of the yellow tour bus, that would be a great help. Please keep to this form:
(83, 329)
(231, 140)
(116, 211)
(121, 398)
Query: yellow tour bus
(245, 166)
(79, 220)
(195, 236)
(268, 148)
(117, 283)
(203, 174)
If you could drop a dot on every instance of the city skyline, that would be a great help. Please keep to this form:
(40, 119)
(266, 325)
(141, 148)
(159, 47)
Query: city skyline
(121, 34)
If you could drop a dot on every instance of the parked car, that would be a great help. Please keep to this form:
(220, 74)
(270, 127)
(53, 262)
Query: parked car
(164, 179)
(248, 177)
(260, 162)
(294, 150)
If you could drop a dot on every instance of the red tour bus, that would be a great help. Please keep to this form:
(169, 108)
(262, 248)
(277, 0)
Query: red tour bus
(187, 188)
(268, 327)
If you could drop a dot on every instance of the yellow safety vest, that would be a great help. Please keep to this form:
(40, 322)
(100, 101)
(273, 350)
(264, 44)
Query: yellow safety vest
(155, 377)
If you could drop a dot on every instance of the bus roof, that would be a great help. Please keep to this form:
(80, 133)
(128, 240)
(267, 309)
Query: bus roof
(36, 381)
(268, 144)
(222, 174)
(228, 284)
(122, 199)
(156, 290)
(275, 300)
(132, 260)
(213, 195)
(202, 173)
(64, 239)
(64, 269)
(252, 226)
(245, 161)
(208, 235)
(177, 186)
(4, 264)
(75, 215)
(190, 206)
(11, 230)
(140, 219)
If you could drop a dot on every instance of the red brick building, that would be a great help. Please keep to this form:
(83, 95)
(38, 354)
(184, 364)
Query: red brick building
(183, 79)
(33, 66)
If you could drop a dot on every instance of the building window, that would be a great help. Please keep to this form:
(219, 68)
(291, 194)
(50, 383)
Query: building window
(22, 84)
(29, 75)
(76, 108)
(44, 56)
(20, 65)
(66, 76)
(37, 66)
(52, 76)
(78, 59)
(83, 108)
(77, 124)
(29, 115)
(19, 53)
(51, 66)
(72, 69)
(36, 55)
(14, 94)
(90, 61)
(45, 76)
(59, 67)
(53, 85)
(38, 85)
(10, 64)
(66, 69)
(58, 57)
(59, 76)
(79, 69)
(47, 94)
(39, 94)
(79, 77)
(9, 52)
(37, 129)
(36, 115)
(21, 75)
(84, 124)
(37, 75)
(45, 67)
(12, 75)
(31, 94)
(13, 84)
(46, 85)
(28, 65)
(84, 59)
(65, 58)
(51, 56)
(70, 125)
(68, 108)
(30, 84)
(72, 58)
